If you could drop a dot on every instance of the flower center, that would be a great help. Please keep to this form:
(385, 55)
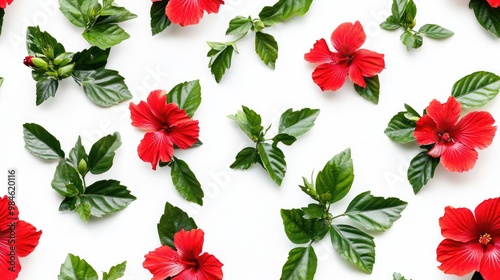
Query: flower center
(446, 137)
(342, 59)
(485, 239)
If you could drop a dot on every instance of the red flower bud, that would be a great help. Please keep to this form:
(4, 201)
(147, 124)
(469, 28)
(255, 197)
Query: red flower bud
(28, 62)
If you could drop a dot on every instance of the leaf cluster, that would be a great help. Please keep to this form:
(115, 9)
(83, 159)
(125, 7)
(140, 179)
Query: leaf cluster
(51, 64)
(312, 223)
(100, 198)
(75, 268)
(266, 152)
(403, 15)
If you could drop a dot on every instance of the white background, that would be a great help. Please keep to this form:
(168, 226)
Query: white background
(240, 216)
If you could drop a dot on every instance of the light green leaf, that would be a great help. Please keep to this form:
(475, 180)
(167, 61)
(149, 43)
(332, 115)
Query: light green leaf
(83, 210)
(267, 48)
(391, 23)
(283, 10)
(111, 13)
(172, 221)
(435, 31)
(41, 143)
(297, 123)
(102, 153)
(400, 129)
(220, 60)
(78, 11)
(488, 17)
(372, 90)
(103, 87)
(336, 178)
(421, 170)
(250, 122)
(476, 89)
(106, 197)
(185, 181)
(239, 26)
(66, 180)
(273, 160)
(105, 36)
(354, 246)
(77, 155)
(1, 78)
(75, 268)
(397, 276)
(187, 96)
(300, 265)
(116, 272)
(411, 41)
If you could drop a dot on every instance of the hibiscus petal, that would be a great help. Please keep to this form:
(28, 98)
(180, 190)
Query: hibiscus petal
(4, 3)
(184, 12)
(190, 274)
(488, 217)
(7, 215)
(210, 267)
(458, 224)
(163, 262)
(348, 37)
(143, 118)
(156, 146)
(458, 158)
(9, 265)
(356, 75)
(27, 238)
(444, 115)
(438, 149)
(189, 244)
(459, 258)
(490, 264)
(157, 103)
(476, 130)
(211, 6)
(330, 76)
(185, 134)
(426, 131)
(494, 3)
(370, 63)
(320, 53)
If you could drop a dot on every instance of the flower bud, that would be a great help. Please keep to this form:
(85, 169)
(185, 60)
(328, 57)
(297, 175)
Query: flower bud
(65, 71)
(82, 167)
(258, 25)
(39, 63)
(27, 61)
(63, 59)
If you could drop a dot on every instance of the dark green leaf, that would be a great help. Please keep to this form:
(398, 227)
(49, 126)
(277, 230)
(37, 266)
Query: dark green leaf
(476, 89)
(391, 23)
(111, 13)
(220, 60)
(476, 276)
(2, 13)
(45, 89)
(283, 10)
(41, 143)
(106, 197)
(185, 181)
(313, 211)
(103, 87)
(409, 14)
(116, 272)
(187, 96)
(297, 123)
(105, 36)
(68, 203)
(397, 276)
(411, 114)
(421, 170)
(78, 11)
(77, 155)
(267, 48)
(411, 41)
(354, 246)
(284, 138)
(488, 17)
(159, 19)
(301, 230)
(75, 268)
(83, 210)
(91, 59)
(372, 90)
(398, 8)
(273, 160)
(250, 122)
(239, 26)
(300, 265)
(375, 213)
(435, 31)
(245, 158)
(173, 220)
(66, 180)
(102, 153)
(400, 129)
(42, 43)
(336, 178)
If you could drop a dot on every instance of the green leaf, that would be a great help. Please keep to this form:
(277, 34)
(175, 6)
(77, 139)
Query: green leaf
(488, 17)
(77, 155)
(397, 276)
(116, 272)
(103, 87)
(185, 181)
(354, 246)
(421, 170)
(75, 268)
(68, 203)
(301, 230)
(375, 213)
(308, 188)
(41, 143)
(409, 14)
(78, 11)
(336, 178)
(42, 43)
(313, 211)
(435, 31)
(283, 10)
(297, 123)
(159, 19)
(477, 276)
(1, 78)
(2, 13)
(300, 265)
(92, 58)
(250, 122)
(102, 153)
(273, 160)
(187, 96)
(83, 210)
(66, 180)
(411, 41)
(400, 129)
(245, 158)
(284, 138)
(111, 13)
(267, 48)
(106, 197)
(239, 26)
(398, 8)
(411, 114)
(372, 90)
(391, 23)
(45, 89)
(476, 89)
(173, 220)
(105, 36)
(220, 60)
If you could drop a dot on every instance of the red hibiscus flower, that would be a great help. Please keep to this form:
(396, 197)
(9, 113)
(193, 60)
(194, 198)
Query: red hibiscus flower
(186, 262)
(494, 3)
(14, 233)
(166, 126)
(471, 243)
(454, 140)
(189, 12)
(4, 3)
(349, 60)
